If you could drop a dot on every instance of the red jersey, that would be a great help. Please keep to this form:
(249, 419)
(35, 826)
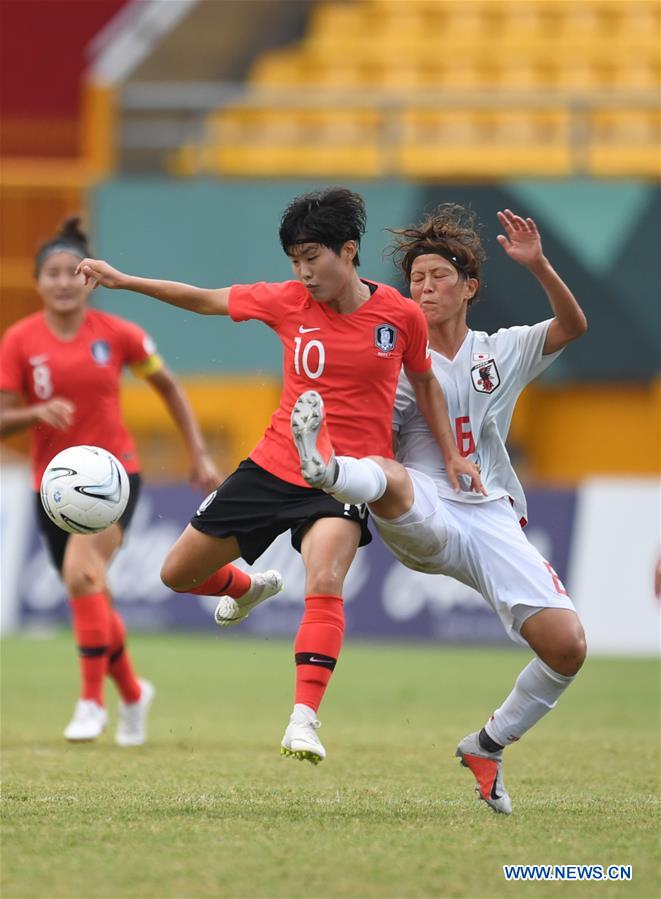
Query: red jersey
(86, 370)
(352, 360)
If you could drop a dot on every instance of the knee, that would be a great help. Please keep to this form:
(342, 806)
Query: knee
(325, 581)
(81, 581)
(579, 650)
(568, 657)
(398, 496)
(171, 576)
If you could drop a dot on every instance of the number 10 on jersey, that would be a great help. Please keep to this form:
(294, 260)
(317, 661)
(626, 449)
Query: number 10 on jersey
(307, 357)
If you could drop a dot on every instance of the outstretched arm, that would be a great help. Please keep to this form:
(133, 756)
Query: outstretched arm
(523, 244)
(430, 400)
(196, 299)
(203, 472)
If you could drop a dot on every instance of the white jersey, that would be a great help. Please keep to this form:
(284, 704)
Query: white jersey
(481, 386)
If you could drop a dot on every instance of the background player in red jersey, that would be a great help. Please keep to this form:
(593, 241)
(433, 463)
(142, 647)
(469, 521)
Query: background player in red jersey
(65, 365)
(348, 338)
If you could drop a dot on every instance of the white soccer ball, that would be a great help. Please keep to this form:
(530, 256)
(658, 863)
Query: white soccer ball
(84, 489)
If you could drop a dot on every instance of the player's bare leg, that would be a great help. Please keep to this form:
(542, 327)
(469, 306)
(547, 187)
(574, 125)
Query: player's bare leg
(195, 557)
(327, 549)
(557, 637)
(199, 563)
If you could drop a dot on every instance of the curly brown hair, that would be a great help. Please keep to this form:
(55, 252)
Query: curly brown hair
(450, 231)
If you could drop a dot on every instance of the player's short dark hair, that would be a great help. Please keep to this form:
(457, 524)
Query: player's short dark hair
(328, 217)
(70, 237)
(450, 231)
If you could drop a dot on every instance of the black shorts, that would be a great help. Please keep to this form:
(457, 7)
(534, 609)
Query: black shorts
(57, 539)
(255, 506)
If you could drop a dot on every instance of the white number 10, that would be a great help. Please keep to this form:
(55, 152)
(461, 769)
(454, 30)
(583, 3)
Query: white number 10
(304, 357)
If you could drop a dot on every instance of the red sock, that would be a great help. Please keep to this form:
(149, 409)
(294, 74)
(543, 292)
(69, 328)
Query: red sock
(227, 581)
(120, 668)
(91, 626)
(317, 646)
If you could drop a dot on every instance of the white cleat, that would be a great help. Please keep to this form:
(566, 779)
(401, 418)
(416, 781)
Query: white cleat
(88, 722)
(487, 768)
(132, 723)
(300, 740)
(231, 611)
(308, 426)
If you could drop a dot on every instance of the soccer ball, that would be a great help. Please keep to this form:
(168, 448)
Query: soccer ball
(84, 489)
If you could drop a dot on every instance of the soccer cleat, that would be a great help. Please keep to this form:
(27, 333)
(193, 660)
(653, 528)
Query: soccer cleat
(132, 723)
(487, 768)
(308, 426)
(231, 611)
(88, 722)
(300, 740)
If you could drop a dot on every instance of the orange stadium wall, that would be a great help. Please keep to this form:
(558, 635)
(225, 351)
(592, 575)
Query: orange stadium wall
(566, 434)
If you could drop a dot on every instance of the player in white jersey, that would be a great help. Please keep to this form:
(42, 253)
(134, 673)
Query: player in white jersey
(476, 535)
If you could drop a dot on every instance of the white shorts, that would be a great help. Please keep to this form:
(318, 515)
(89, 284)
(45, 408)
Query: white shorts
(481, 545)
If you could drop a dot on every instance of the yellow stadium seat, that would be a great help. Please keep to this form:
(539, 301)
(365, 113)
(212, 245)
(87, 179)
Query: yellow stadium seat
(337, 18)
(625, 142)
(273, 142)
(469, 51)
(485, 144)
(296, 161)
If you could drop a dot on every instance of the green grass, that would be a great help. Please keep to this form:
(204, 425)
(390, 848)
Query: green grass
(209, 809)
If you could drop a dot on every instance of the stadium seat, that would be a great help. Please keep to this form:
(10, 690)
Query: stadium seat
(625, 142)
(471, 50)
(485, 143)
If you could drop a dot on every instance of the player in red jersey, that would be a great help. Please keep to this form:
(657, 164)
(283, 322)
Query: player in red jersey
(60, 373)
(349, 338)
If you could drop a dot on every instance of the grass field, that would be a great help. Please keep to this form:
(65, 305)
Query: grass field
(208, 808)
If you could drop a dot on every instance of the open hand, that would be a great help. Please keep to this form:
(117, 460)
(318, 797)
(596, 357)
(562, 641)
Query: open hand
(58, 413)
(204, 474)
(96, 271)
(522, 243)
(459, 467)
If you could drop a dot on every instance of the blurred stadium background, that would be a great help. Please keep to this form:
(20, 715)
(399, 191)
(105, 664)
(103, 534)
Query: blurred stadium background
(182, 128)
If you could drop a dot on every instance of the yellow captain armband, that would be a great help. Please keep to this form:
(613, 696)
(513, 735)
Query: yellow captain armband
(148, 366)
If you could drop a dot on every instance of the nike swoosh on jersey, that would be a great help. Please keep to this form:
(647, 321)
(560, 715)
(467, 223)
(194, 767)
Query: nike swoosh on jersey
(303, 330)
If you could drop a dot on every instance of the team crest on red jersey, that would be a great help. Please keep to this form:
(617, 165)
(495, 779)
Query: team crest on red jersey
(385, 338)
(100, 350)
(485, 376)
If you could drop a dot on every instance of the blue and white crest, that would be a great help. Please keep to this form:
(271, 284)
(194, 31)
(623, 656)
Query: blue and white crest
(385, 338)
(100, 350)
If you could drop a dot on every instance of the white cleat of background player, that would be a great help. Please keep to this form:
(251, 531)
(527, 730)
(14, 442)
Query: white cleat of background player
(88, 722)
(132, 723)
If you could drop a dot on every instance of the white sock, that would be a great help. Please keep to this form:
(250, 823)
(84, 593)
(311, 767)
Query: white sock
(303, 712)
(536, 692)
(358, 481)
